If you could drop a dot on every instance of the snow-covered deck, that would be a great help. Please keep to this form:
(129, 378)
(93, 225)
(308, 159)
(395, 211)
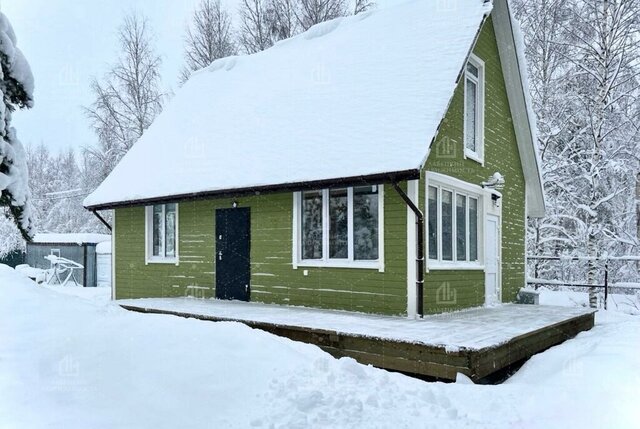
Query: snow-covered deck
(472, 329)
(476, 341)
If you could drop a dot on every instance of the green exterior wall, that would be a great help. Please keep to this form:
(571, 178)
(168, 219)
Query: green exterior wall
(273, 278)
(500, 154)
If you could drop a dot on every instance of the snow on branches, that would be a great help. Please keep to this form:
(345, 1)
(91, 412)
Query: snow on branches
(16, 89)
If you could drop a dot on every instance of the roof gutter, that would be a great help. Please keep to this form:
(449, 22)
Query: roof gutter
(420, 248)
(372, 179)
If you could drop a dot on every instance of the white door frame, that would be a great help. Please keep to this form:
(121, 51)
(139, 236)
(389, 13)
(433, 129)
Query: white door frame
(498, 292)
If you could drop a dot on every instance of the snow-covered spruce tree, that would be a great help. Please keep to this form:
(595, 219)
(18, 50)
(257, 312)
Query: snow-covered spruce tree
(312, 12)
(209, 37)
(16, 89)
(127, 99)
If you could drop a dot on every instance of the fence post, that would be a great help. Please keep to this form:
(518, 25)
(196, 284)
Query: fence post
(606, 283)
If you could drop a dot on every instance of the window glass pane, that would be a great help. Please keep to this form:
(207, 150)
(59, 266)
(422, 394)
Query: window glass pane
(433, 222)
(470, 115)
(365, 223)
(338, 224)
(447, 225)
(473, 229)
(158, 239)
(170, 229)
(472, 69)
(461, 228)
(312, 225)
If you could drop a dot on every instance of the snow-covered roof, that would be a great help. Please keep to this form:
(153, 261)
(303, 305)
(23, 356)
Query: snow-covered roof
(351, 97)
(104, 248)
(71, 238)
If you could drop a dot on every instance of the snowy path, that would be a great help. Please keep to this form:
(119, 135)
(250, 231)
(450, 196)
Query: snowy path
(474, 329)
(69, 362)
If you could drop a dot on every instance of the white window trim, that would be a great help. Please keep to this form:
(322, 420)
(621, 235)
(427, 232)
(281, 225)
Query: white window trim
(326, 261)
(478, 155)
(148, 238)
(458, 187)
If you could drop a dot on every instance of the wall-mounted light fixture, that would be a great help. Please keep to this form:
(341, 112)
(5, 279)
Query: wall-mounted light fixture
(496, 181)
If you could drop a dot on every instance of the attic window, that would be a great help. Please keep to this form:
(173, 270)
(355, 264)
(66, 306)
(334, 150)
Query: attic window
(474, 109)
(339, 227)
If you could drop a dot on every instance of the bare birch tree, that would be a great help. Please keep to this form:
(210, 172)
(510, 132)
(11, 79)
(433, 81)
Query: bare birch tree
(312, 12)
(584, 63)
(257, 25)
(208, 38)
(127, 98)
(285, 21)
(362, 6)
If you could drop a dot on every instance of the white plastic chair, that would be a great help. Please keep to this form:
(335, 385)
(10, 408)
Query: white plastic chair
(62, 267)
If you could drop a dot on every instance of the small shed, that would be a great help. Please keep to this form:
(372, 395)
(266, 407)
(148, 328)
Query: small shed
(80, 248)
(103, 258)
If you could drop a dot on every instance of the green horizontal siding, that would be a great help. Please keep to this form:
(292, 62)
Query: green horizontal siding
(273, 278)
(501, 154)
(452, 290)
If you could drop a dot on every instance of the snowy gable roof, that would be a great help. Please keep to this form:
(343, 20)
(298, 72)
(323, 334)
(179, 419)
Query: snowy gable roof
(352, 97)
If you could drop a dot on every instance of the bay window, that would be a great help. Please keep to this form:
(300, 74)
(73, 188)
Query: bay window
(339, 227)
(452, 225)
(162, 233)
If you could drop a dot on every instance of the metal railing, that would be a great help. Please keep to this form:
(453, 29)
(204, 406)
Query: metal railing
(604, 269)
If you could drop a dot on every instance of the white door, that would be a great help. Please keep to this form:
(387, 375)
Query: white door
(492, 260)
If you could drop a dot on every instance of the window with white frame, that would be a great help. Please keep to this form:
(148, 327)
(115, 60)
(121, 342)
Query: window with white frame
(452, 233)
(474, 109)
(340, 227)
(162, 232)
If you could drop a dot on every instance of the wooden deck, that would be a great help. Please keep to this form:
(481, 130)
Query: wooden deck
(419, 356)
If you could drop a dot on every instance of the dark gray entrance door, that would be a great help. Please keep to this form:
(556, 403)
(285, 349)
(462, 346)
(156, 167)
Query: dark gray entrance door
(232, 254)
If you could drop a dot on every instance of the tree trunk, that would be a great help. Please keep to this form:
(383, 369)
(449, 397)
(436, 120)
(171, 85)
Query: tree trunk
(638, 206)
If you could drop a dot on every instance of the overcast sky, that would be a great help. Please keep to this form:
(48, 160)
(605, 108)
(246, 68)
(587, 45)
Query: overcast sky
(69, 41)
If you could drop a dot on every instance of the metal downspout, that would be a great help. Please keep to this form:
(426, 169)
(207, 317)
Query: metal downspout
(101, 219)
(420, 248)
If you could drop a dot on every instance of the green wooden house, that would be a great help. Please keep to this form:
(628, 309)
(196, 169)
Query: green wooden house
(382, 163)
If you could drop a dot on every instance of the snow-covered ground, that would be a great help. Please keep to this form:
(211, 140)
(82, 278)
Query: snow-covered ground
(71, 362)
(622, 303)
